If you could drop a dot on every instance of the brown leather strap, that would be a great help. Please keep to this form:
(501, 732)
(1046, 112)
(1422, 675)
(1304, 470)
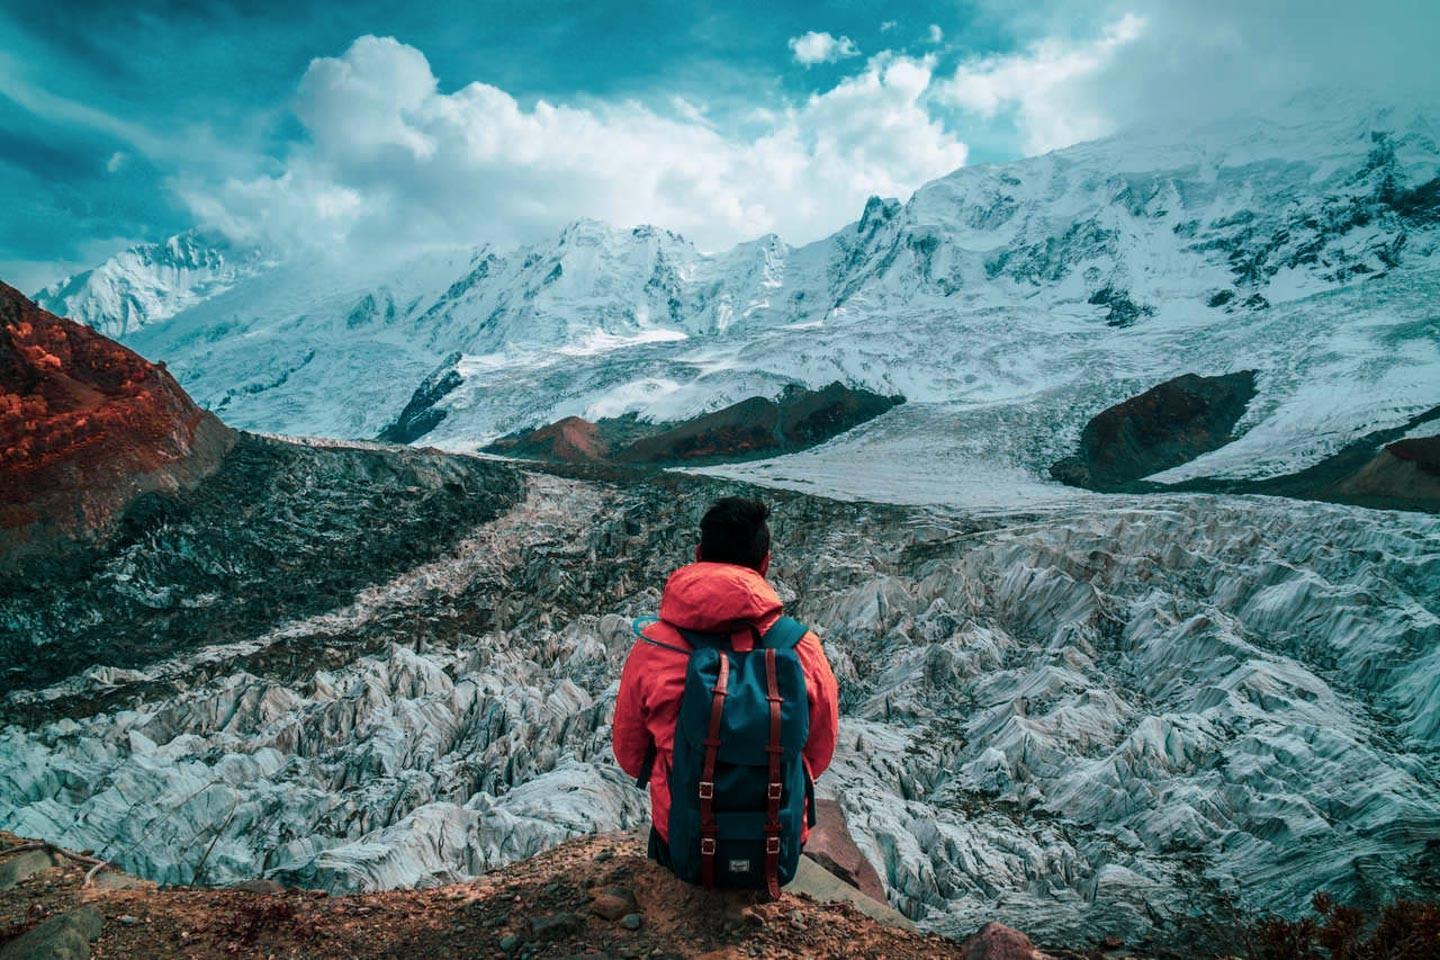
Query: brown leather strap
(708, 829)
(775, 786)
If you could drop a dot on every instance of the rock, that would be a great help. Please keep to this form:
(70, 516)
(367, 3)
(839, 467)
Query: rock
(112, 879)
(259, 885)
(631, 921)
(509, 942)
(612, 903)
(556, 924)
(995, 941)
(64, 937)
(820, 884)
(127, 919)
(831, 846)
(421, 415)
(23, 864)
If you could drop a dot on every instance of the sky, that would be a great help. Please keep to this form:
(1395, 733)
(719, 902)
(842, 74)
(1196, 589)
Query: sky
(376, 127)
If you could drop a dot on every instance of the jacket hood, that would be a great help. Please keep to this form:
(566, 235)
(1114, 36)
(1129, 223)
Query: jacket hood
(717, 597)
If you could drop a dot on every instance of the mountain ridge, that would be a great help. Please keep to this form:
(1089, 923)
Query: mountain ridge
(1052, 283)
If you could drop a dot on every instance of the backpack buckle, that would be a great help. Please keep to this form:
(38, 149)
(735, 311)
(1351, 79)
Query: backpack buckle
(707, 846)
(773, 791)
(772, 844)
(707, 789)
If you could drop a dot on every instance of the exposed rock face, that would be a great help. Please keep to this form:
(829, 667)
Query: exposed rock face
(756, 427)
(831, 846)
(571, 440)
(86, 426)
(1167, 425)
(421, 415)
(1406, 473)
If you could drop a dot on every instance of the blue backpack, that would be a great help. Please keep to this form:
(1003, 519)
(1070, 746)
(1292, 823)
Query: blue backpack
(739, 791)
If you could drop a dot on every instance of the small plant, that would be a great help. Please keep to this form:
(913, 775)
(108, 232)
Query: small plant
(254, 917)
(1404, 930)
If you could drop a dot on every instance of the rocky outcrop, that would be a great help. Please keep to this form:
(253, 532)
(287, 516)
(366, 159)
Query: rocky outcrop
(831, 846)
(571, 440)
(995, 941)
(594, 896)
(86, 427)
(1167, 425)
(756, 427)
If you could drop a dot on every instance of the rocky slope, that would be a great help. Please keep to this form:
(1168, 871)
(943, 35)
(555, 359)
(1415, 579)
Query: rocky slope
(1031, 295)
(1112, 718)
(757, 427)
(1171, 424)
(86, 426)
(592, 897)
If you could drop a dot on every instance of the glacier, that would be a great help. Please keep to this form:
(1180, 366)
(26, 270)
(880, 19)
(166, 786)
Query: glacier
(1080, 714)
(1122, 715)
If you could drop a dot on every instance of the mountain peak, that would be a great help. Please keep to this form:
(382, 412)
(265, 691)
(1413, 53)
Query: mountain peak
(150, 282)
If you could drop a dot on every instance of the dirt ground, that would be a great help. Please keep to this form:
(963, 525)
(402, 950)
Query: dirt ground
(553, 905)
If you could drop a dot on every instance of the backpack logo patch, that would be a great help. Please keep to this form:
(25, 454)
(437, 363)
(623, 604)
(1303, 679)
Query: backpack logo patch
(739, 866)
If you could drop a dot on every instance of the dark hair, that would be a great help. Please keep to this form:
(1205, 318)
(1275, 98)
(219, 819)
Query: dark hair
(734, 531)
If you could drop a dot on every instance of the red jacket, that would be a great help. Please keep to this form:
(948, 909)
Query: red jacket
(714, 598)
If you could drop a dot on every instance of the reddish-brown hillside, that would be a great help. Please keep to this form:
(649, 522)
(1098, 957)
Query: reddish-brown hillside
(86, 426)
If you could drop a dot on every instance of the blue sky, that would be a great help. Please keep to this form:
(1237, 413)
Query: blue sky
(382, 124)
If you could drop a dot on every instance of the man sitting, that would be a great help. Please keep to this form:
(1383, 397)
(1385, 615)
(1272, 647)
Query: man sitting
(728, 710)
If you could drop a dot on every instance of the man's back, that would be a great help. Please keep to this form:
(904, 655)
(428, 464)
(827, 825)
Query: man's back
(706, 597)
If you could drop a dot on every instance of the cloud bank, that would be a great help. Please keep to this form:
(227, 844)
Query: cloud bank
(389, 158)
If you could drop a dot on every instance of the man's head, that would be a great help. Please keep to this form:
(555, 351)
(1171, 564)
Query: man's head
(734, 531)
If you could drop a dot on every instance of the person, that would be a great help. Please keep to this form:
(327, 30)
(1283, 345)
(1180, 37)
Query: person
(723, 598)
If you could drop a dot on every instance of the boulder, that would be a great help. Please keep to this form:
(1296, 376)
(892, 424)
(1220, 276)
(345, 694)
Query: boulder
(995, 941)
(831, 846)
(23, 864)
(64, 937)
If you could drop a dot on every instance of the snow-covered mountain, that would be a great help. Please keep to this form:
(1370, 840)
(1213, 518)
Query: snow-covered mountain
(1032, 293)
(361, 666)
(150, 283)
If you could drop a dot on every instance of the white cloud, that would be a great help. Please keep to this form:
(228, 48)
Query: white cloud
(117, 160)
(391, 161)
(1043, 85)
(888, 25)
(936, 34)
(811, 48)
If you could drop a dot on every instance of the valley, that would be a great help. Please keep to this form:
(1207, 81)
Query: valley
(335, 589)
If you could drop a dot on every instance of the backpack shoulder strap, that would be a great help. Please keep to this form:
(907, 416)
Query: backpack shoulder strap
(638, 625)
(784, 634)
